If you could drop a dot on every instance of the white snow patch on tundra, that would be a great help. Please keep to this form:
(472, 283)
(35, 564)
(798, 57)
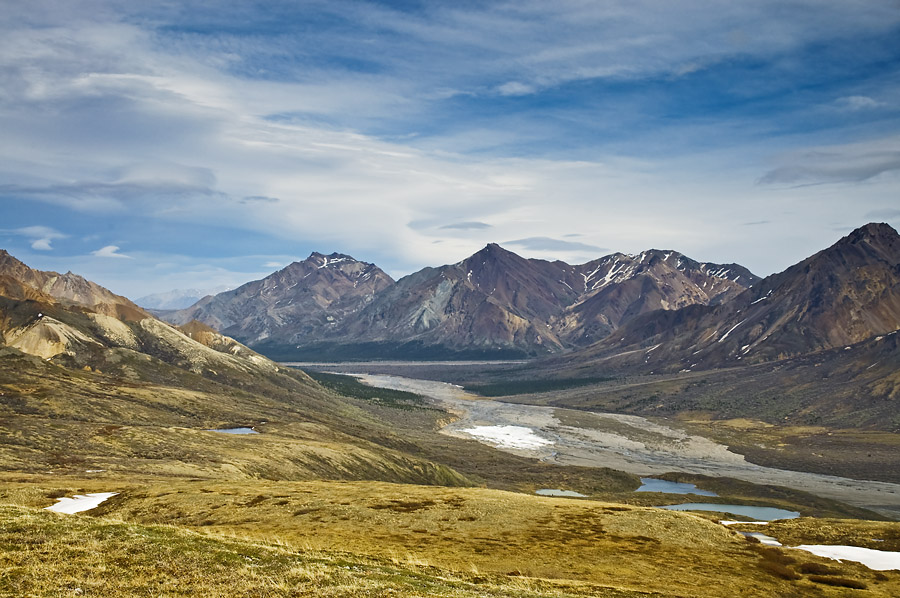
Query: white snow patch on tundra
(80, 502)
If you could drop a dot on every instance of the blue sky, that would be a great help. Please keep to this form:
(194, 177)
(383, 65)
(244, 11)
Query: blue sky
(196, 144)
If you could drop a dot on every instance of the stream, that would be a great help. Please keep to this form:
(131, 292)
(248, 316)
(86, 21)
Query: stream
(624, 442)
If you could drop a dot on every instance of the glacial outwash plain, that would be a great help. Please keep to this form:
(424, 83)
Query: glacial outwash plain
(522, 435)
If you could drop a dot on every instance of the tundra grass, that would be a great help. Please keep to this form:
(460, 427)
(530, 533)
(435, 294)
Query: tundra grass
(465, 534)
(45, 554)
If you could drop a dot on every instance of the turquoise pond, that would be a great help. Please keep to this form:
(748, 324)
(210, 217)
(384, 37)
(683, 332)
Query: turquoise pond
(758, 513)
(655, 485)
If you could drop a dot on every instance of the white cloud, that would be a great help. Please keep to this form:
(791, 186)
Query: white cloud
(40, 237)
(852, 162)
(110, 251)
(514, 88)
(856, 103)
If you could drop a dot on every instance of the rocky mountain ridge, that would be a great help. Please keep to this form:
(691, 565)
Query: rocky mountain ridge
(70, 288)
(840, 296)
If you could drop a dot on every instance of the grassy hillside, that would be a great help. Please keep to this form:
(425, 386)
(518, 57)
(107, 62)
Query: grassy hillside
(49, 555)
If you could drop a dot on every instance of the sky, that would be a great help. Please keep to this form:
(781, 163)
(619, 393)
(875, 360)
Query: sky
(158, 145)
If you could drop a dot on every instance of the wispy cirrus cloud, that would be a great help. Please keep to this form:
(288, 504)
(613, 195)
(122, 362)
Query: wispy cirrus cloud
(472, 225)
(856, 103)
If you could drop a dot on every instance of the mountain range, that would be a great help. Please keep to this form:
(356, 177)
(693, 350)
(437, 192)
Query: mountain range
(494, 303)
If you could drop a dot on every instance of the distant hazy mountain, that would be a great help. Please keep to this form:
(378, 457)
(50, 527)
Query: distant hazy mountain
(177, 298)
(842, 295)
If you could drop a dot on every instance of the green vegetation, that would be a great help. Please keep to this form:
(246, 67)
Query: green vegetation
(406, 351)
(519, 387)
(349, 386)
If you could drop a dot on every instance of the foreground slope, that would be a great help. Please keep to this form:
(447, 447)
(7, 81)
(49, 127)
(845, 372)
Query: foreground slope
(85, 391)
(381, 539)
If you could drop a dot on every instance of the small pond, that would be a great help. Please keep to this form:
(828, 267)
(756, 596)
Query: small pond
(655, 485)
(759, 513)
(235, 431)
(558, 492)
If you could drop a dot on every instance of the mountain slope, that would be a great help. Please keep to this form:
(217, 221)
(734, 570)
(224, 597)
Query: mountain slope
(299, 303)
(141, 396)
(493, 299)
(619, 287)
(492, 303)
(71, 288)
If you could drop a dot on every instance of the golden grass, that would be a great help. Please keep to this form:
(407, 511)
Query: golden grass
(465, 533)
(44, 554)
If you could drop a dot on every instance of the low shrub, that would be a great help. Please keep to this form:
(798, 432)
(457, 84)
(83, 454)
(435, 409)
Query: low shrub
(818, 569)
(774, 555)
(841, 582)
(779, 570)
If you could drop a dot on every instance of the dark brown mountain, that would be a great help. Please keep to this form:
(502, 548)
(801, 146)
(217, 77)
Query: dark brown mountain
(299, 304)
(494, 302)
(619, 287)
(494, 299)
(839, 296)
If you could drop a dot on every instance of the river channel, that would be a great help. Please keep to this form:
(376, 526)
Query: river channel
(625, 442)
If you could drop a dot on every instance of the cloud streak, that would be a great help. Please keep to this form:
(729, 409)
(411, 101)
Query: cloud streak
(548, 244)
(838, 164)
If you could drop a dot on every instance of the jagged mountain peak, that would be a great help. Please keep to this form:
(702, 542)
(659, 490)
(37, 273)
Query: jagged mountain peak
(876, 237)
(873, 230)
(317, 257)
(492, 251)
(837, 297)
